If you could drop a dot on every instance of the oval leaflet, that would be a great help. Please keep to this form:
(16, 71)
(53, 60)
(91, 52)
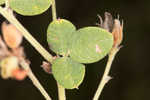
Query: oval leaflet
(58, 34)
(90, 44)
(67, 72)
(30, 7)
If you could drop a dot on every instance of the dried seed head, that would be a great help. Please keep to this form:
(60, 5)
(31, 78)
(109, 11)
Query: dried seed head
(113, 26)
(7, 65)
(11, 35)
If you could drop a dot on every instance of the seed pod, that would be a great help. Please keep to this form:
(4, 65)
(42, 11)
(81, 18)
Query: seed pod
(11, 35)
(7, 65)
(117, 32)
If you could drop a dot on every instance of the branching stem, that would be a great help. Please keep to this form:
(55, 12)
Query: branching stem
(106, 76)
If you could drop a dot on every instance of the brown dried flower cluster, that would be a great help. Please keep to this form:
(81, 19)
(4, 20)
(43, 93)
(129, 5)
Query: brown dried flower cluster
(11, 57)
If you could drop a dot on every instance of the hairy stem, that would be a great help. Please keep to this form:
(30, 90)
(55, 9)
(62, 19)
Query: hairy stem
(34, 80)
(9, 16)
(106, 76)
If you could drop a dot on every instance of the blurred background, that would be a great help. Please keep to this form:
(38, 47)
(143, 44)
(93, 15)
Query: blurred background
(130, 69)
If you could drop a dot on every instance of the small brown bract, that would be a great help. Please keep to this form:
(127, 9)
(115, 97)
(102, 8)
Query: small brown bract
(117, 32)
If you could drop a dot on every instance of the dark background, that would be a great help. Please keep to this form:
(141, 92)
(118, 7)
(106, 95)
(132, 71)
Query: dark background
(130, 69)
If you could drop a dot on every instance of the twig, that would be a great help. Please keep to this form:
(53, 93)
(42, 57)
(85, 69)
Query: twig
(106, 76)
(35, 80)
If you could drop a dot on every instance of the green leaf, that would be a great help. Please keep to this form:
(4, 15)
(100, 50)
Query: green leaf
(68, 73)
(2, 2)
(58, 35)
(30, 7)
(90, 44)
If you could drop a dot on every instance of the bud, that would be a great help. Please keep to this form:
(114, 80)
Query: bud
(47, 67)
(11, 35)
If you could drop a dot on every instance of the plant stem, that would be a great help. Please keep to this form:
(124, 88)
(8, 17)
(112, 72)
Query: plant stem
(61, 90)
(54, 10)
(35, 80)
(9, 16)
(106, 76)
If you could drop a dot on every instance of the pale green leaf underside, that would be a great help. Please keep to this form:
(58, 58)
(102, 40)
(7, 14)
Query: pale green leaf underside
(30, 7)
(68, 73)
